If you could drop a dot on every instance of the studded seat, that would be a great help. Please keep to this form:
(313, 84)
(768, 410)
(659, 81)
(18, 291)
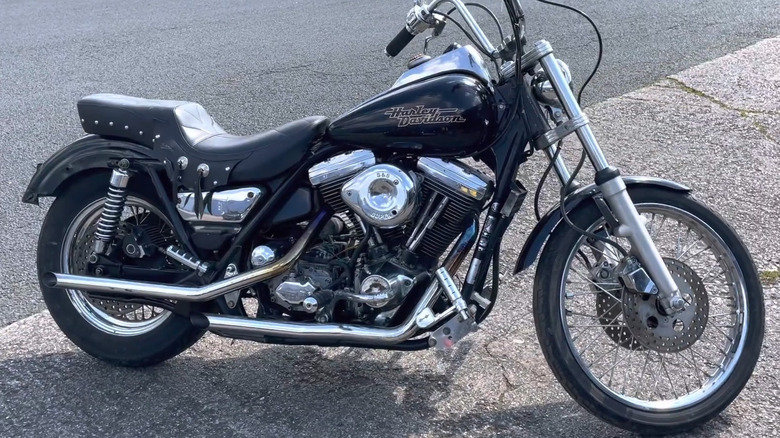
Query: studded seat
(157, 123)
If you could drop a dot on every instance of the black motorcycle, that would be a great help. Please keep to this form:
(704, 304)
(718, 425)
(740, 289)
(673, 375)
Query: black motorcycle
(350, 232)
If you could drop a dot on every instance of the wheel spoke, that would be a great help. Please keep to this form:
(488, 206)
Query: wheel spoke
(695, 254)
(602, 321)
(116, 317)
(602, 253)
(595, 284)
(595, 316)
(644, 368)
(671, 384)
(603, 356)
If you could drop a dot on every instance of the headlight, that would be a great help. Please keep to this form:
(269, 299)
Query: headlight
(543, 89)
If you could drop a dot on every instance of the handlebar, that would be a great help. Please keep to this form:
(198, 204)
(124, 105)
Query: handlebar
(421, 18)
(398, 43)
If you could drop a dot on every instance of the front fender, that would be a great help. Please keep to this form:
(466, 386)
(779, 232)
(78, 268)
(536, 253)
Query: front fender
(89, 152)
(548, 223)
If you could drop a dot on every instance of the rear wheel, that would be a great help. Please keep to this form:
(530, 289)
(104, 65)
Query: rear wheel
(120, 332)
(616, 352)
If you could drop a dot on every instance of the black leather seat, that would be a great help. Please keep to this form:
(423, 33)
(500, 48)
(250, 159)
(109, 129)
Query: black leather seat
(274, 151)
(158, 123)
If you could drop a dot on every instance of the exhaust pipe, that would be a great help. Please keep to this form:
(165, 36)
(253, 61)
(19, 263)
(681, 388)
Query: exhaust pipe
(254, 329)
(257, 329)
(109, 286)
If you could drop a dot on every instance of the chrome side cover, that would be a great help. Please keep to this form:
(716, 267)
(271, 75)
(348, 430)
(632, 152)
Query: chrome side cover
(455, 175)
(341, 166)
(465, 58)
(224, 206)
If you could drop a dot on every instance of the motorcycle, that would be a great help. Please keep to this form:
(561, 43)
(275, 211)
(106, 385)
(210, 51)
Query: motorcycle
(350, 232)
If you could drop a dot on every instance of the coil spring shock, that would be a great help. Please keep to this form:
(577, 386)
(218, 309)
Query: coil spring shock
(112, 210)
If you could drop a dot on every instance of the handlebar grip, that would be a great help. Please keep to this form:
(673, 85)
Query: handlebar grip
(399, 42)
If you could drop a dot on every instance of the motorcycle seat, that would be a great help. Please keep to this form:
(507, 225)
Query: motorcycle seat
(163, 123)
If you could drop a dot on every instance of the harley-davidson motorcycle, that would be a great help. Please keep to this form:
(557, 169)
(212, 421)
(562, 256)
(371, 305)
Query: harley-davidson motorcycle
(352, 231)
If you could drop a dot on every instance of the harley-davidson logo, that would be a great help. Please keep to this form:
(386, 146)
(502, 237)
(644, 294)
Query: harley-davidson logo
(420, 115)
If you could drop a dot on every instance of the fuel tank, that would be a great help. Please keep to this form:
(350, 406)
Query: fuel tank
(451, 115)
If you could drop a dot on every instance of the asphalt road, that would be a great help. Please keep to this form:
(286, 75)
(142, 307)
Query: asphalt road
(257, 64)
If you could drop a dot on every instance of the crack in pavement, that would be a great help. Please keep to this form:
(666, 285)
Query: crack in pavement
(680, 85)
(743, 112)
(509, 385)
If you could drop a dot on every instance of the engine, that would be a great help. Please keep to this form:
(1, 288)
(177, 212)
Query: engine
(422, 207)
(407, 212)
(383, 195)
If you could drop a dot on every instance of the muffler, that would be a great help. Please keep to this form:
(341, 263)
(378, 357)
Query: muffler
(109, 286)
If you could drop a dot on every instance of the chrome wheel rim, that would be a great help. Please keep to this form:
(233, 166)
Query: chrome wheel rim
(113, 317)
(635, 373)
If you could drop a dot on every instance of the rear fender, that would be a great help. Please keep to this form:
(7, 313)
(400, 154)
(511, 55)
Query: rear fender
(548, 223)
(87, 153)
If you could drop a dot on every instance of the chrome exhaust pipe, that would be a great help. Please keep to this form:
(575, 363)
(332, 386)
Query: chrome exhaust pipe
(255, 329)
(109, 286)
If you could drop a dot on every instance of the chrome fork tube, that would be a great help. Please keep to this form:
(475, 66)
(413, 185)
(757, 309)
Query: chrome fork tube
(632, 225)
(573, 110)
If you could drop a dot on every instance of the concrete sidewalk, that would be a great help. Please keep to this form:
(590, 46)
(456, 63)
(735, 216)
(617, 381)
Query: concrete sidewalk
(715, 127)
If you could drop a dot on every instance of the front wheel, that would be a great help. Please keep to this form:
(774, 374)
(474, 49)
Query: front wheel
(616, 352)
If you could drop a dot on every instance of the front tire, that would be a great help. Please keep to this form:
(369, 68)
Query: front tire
(146, 338)
(611, 349)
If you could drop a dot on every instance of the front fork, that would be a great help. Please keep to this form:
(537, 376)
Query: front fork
(631, 224)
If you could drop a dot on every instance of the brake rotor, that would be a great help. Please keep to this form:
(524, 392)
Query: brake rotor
(657, 331)
(609, 306)
(119, 309)
(81, 253)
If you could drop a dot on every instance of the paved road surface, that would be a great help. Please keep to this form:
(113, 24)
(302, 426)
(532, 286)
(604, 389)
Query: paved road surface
(230, 58)
(257, 64)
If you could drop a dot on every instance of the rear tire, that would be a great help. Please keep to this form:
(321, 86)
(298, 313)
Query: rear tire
(558, 335)
(150, 346)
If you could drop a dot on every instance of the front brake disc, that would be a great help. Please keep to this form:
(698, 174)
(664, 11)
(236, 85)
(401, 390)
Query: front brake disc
(609, 307)
(669, 334)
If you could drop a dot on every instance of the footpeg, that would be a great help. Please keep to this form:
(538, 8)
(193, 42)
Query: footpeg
(186, 259)
(452, 292)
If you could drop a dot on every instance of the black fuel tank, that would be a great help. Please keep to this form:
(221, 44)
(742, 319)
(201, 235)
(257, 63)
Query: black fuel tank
(453, 115)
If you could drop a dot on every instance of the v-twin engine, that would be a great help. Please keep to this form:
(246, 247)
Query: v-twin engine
(406, 212)
(420, 206)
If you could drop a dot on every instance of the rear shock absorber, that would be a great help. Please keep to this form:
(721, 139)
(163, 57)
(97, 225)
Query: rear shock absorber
(112, 210)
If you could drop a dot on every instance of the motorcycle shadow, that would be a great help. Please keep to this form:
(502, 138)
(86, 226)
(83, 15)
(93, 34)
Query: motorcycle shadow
(245, 390)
